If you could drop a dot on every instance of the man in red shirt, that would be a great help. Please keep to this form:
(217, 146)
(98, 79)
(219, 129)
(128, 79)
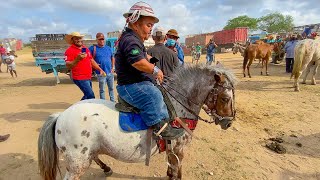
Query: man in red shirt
(79, 60)
(2, 55)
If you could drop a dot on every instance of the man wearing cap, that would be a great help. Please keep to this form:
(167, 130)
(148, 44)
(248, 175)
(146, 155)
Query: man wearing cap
(211, 46)
(102, 54)
(2, 55)
(79, 61)
(172, 41)
(133, 70)
(168, 60)
(289, 49)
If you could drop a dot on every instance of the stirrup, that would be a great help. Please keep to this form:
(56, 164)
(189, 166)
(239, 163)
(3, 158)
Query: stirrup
(161, 130)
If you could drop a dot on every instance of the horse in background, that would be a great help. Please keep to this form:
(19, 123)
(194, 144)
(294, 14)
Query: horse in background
(306, 54)
(238, 48)
(279, 52)
(260, 50)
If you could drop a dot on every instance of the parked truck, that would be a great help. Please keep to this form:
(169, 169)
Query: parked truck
(224, 39)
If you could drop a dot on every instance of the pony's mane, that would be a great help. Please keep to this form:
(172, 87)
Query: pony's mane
(194, 73)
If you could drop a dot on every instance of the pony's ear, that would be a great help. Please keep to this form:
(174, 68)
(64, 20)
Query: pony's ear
(219, 78)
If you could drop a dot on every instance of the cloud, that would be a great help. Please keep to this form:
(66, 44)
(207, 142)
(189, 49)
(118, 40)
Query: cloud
(187, 16)
(224, 8)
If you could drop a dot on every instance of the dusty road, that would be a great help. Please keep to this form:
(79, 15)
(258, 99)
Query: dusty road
(266, 106)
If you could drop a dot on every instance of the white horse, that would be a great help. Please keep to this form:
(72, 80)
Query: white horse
(306, 54)
(90, 127)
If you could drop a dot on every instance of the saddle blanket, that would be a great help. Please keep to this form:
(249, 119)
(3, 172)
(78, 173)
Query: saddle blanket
(131, 122)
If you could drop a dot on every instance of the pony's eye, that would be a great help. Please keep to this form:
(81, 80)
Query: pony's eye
(225, 99)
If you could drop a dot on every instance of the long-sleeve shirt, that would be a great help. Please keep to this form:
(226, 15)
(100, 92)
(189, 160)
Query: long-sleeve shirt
(289, 48)
(180, 53)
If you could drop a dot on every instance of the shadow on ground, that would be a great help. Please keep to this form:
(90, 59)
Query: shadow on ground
(27, 115)
(53, 105)
(47, 81)
(22, 166)
(288, 175)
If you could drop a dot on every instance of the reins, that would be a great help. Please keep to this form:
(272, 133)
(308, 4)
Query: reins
(214, 91)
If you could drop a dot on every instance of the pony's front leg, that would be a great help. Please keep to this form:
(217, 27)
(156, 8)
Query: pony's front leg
(175, 168)
(313, 81)
(248, 67)
(262, 66)
(244, 71)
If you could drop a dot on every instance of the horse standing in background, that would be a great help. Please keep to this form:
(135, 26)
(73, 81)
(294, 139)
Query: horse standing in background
(279, 52)
(306, 54)
(260, 50)
(238, 48)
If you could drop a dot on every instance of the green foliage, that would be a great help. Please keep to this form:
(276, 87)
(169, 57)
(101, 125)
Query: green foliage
(242, 21)
(273, 23)
(276, 22)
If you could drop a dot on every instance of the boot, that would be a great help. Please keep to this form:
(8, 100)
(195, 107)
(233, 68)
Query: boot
(5, 137)
(169, 133)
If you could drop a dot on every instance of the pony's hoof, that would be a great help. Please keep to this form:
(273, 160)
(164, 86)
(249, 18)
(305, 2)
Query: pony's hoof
(267, 74)
(261, 73)
(249, 76)
(303, 82)
(296, 90)
(313, 83)
(108, 173)
(244, 75)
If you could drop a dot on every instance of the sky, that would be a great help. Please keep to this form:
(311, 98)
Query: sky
(24, 18)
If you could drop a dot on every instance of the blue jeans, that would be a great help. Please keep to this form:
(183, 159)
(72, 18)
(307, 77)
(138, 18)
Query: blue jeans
(210, 59)
(103, 80)
(86, 87)
(147, 98)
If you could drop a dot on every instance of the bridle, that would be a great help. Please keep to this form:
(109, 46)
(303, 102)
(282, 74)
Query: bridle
(217, 89)
(211, 102)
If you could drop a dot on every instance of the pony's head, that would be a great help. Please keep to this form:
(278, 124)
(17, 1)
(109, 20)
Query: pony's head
(238, 48)
(220, 102)
(235, 48)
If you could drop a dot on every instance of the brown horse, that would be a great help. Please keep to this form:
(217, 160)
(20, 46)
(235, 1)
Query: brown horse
(260, 50)
(279, 52)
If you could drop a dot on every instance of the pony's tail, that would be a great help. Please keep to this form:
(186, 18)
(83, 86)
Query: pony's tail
(299, 53)
(48, 154)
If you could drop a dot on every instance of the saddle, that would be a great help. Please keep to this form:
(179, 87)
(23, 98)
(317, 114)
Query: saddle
(123, 106)
(130, 120)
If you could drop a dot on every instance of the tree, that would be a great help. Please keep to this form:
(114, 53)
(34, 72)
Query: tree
(242, 21)
(276, 22)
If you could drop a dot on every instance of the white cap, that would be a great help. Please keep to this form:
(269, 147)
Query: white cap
(159, 31)
(141, 8)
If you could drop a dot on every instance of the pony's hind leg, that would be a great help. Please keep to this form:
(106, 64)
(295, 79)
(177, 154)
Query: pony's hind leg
(313, 80)
(262, 67)
(106, 169)
(267, 61)
(296, 83)
(306, 72)
(77, 164)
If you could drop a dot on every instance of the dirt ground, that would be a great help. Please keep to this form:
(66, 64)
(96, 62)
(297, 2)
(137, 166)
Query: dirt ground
(266, 107)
